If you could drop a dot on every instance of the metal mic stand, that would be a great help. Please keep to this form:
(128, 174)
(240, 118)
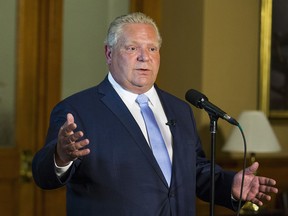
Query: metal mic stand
(213, 130)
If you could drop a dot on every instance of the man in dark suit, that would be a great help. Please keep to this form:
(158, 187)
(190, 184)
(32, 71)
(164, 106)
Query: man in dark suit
(99, 145)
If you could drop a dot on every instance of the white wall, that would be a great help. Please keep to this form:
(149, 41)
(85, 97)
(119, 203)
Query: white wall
(85, 24)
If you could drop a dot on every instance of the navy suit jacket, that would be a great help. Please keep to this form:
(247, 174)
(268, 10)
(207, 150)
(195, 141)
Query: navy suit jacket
(120, 176)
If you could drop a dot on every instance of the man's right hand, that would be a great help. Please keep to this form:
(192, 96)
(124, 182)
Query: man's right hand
(68, 146)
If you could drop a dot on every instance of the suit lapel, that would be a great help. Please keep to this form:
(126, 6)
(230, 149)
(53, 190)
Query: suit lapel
(172, 118)
(113, 102)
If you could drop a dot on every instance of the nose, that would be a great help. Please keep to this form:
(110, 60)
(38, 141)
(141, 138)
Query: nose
(143, 55)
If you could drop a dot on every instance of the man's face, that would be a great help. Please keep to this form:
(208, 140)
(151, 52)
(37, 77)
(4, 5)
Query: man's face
(135, 59)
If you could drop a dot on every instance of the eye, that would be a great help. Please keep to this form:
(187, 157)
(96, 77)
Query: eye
(131, 48)
(153, 49)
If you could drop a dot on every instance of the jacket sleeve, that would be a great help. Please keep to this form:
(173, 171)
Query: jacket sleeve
(43, 165)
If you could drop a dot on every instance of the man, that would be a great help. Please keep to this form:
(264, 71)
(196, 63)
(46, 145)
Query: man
(99, 143)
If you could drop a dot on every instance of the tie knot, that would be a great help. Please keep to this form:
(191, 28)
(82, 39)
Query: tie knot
(142, 99)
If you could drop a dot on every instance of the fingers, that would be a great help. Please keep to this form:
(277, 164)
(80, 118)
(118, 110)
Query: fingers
(256, 188)
(78, 153)
(263, 196)
(267, 189)
(259, 198)
(257, 202)
(69, 146)
(266, 185)
(73, 137)
(259, 194)
(74, 150)
(75, 146)
(68, 127)
(267, 181)
(71, 150)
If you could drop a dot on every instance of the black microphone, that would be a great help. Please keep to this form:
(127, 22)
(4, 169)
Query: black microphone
(199, 100)
(171, 122)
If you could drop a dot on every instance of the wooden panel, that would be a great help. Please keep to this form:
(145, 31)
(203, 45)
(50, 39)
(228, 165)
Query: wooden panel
(51, 202)
(55, 202)
(27, 91)
(38, 89)
(9, 166)
(8, 198)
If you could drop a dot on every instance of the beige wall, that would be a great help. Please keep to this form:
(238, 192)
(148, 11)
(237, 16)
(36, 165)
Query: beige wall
(208, 45)
(182, 49)
(213, 46)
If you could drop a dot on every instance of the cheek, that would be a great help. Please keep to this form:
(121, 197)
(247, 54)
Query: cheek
(156, 65)
(125, 68)
(118, 65)
(156, 60)
(125, 62)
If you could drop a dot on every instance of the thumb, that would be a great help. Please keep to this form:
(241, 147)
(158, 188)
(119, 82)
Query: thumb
(252, 169)
(70, 118)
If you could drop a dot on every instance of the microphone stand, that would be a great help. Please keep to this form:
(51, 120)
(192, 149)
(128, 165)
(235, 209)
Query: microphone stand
(213, 130)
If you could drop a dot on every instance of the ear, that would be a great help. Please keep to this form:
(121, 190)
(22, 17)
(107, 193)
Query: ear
(108, 54)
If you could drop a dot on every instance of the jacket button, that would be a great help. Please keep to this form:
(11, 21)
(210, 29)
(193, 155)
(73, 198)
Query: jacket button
(172, 194)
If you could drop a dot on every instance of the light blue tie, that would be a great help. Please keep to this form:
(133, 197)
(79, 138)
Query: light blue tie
(155, 137)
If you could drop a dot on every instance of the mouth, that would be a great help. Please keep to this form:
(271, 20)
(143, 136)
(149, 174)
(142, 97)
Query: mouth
(142, 69)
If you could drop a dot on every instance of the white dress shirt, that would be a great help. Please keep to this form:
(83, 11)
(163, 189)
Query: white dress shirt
(129, 99)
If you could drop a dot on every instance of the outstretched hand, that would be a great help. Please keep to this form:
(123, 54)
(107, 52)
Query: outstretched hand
(256, 188)
(68, 146)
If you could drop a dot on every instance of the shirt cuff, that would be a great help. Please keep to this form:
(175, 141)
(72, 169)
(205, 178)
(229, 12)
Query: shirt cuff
(61, 170)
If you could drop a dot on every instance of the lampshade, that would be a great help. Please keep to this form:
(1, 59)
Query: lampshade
(258, 132)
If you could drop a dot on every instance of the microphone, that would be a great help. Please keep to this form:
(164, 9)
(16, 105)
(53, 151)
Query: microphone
(199, 100)
(171, 122)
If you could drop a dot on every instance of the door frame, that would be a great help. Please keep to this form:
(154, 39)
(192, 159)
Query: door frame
(39, 44)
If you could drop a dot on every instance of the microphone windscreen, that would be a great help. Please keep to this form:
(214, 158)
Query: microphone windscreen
(194, 97)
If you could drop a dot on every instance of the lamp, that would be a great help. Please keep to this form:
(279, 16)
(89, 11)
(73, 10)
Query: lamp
(258, 132)
(260, 138)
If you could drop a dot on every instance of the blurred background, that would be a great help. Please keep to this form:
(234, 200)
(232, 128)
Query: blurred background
(50, 49)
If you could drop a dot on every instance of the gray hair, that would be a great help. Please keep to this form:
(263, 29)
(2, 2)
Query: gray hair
(116, 27)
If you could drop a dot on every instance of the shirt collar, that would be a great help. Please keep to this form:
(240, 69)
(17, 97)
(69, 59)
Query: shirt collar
(130, 96)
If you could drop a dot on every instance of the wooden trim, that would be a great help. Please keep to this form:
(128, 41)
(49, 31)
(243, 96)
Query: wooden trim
(38, 84)
(49, 63)
(38, 68)
(26, 100)
(26, 96)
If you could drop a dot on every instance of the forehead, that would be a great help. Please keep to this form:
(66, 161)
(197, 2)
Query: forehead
(139, 31)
